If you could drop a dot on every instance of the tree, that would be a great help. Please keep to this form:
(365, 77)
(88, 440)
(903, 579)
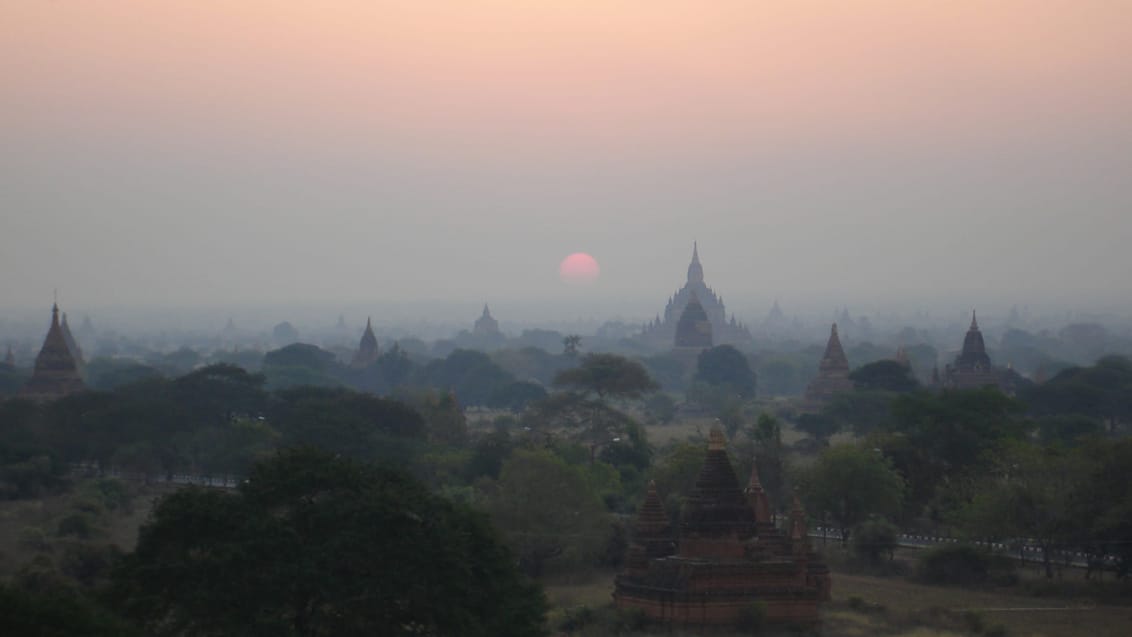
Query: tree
(850, 483)
(885, 375)
(1032, 496)
(770, 458)
(875, 538)
(471, 374)
(350, 423)
(570, 345)
(675, 474)
(1102, 392)
(314, 544)
(820, 426)
(723, 365)
(547, 510)
(607, 375)
(934, 438)
(56, 613)
(1104, 500)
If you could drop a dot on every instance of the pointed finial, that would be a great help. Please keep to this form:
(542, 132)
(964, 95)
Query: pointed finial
(368, 324)
(754, 484)
(486, 312)
(974, 321)
(695, 251)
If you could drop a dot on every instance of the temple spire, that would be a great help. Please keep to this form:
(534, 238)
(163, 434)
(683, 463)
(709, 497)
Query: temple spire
(55, 373)
(368, 350)
(974, 321)
(695, 270)
(756, 495)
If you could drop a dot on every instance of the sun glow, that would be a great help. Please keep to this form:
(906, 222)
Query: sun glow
(578, 269)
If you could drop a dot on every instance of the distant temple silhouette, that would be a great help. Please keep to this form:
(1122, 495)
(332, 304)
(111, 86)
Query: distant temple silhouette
(56, 372)
(486, 325)
(662, 332)
(728, 555)
(693, 330)
(972, 369)
(833, 373)
(367, 349)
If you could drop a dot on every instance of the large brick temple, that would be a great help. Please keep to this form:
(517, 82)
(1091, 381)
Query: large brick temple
(727, 556)
(663, 331)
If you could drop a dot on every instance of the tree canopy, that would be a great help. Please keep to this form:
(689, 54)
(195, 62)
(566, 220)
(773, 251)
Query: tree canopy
(885, 375)
(851, 483)
(313, 544)
(607, 375)
(723, 365)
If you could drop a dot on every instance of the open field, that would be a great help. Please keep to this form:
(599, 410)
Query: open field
(907, 605)
(21, 520)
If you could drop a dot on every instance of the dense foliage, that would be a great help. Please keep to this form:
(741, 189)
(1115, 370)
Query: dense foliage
(313, 544)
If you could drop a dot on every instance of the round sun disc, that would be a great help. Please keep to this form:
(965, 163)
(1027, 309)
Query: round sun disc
(578, 269)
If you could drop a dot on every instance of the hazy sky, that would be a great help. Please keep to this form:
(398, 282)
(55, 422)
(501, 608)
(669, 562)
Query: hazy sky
(206, 152)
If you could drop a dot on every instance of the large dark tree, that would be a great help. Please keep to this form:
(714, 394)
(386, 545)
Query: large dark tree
(471, 374)
(607, 375)
(851, 483)
(884, 375)
(723, 365)
(317, 545)
(56, 613)
(1102, 392)
(353, 424)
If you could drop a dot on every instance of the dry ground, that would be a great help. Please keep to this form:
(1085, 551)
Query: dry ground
(906, 603)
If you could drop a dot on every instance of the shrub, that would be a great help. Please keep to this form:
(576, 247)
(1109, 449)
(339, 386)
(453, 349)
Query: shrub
(752, 617)
(874, 539)
(961, 565)
(76, 524)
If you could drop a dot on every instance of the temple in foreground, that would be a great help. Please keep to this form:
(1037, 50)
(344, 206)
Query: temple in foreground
(727, 556)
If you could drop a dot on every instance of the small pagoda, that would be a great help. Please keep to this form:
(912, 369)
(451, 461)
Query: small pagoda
(56, 372)
(368, 351)
(486, 325)
(972, 369)
(833, 373)
(728, 555)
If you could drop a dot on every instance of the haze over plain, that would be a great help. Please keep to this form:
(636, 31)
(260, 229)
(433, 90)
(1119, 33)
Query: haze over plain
(824, 153)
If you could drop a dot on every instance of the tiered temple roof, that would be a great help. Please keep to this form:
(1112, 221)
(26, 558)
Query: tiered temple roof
(693, 330)
(56, 373)
(661, 332)
(729, 555)
(367, 348)
(972, 369)
(72, 344)
(833, 372)
(486, 325)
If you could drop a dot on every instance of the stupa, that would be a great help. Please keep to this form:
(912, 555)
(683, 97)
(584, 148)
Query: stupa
(56, 373)
(728, 556)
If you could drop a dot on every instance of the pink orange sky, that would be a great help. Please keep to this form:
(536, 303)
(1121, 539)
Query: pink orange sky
(132, 120)
(543, 74)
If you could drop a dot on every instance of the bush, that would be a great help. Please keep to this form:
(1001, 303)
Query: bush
(76, 524)
(752, 617)
(87, 563)
(961, 565)
(874, 539)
